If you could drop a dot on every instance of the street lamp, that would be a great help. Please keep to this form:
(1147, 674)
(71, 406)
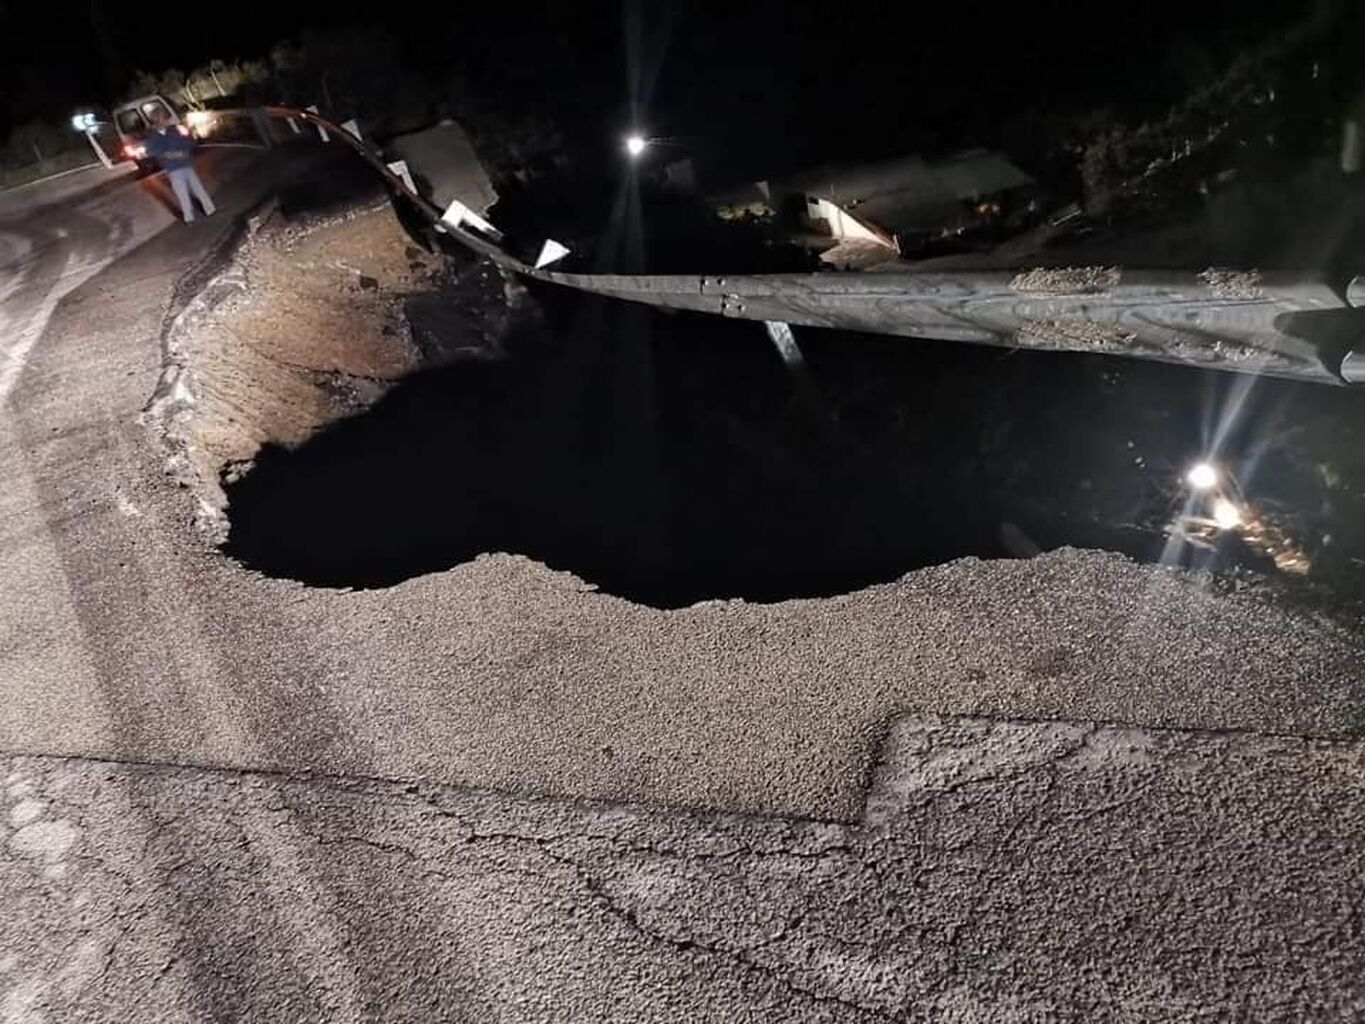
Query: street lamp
(637, 144)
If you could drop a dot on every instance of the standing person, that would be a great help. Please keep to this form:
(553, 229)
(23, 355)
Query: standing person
(173, 149)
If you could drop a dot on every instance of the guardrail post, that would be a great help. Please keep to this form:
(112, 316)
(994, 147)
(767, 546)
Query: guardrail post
(322, 132)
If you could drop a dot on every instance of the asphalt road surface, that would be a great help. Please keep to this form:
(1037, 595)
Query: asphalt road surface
(727, 869)
(1003, 871)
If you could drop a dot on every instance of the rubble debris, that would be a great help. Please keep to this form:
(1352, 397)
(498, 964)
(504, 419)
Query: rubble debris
(1066, 280)
(1074, 335)
(1233, 284)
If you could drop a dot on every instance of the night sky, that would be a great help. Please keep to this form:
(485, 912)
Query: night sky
(864, 75)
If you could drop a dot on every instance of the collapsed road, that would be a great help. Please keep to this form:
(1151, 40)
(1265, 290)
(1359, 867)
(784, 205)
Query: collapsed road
(498, 790)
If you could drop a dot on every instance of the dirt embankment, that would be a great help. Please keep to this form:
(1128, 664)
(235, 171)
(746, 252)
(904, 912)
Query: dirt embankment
(307, 324)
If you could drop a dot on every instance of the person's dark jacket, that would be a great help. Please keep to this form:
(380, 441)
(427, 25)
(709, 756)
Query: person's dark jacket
(170, 148)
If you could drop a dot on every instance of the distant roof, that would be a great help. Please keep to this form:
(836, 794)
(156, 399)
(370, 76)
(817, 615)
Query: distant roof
(979, 173)
(898, 193)
(849, 185)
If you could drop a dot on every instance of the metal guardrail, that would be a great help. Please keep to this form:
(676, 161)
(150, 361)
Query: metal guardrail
(1284, 327)
(1295, 327)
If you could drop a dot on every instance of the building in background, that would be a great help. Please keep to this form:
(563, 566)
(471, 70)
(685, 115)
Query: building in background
(895, 206)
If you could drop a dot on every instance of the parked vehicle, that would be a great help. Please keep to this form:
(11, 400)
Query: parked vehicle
(134, 122)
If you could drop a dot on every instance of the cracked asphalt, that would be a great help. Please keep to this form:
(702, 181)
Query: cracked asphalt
(1002, 870)
(683, 826)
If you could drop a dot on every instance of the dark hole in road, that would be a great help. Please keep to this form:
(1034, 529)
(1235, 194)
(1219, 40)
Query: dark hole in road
(668, 459)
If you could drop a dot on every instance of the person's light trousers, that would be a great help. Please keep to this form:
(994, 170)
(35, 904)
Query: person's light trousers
(185, 180)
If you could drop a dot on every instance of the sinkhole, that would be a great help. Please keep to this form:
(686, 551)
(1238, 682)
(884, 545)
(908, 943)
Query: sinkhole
(670, 459)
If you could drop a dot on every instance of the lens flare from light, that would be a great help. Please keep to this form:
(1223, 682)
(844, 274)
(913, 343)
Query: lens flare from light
(1227, 515)
(1202, 477)
(635, 145)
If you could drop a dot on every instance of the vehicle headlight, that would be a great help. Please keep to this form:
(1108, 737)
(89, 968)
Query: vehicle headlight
(1227, 515)
(200, 122)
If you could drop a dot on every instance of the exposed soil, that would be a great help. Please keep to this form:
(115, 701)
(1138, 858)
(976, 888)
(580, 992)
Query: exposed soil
(314, 333)
(313, 320)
